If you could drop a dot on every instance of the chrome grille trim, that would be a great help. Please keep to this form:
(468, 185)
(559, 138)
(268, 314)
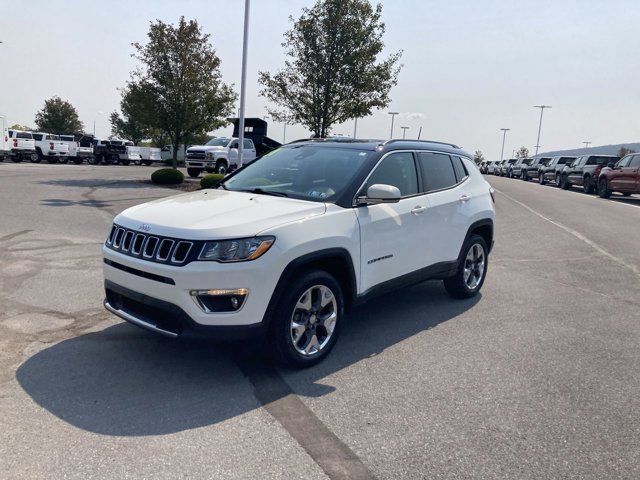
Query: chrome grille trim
(153, 248)
(146, 244)
(186, 253)
(160, 247)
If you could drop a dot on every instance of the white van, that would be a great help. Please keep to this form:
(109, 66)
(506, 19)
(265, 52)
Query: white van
(149, 155)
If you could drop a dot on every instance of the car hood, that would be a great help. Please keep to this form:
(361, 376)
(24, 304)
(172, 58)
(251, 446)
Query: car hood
(205, 148)
(216, 214)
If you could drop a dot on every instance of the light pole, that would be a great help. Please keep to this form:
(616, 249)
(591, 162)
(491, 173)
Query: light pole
(586, 144)
(284, 133)
(404, 132)
(504, 136)
(541, 107)
(355, 128)
(243, 82)
(393, 115)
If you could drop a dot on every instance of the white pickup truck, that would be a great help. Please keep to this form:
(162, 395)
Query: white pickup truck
(50, 146)
(21, 146)
(219, 155)
(131, 152)
(77, 152)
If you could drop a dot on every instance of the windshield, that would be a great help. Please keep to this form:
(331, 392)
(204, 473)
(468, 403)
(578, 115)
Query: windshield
(218, 142)
(307, 172)
(527, 161)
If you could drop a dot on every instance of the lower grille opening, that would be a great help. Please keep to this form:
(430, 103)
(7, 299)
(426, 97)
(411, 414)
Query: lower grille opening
(158, 317)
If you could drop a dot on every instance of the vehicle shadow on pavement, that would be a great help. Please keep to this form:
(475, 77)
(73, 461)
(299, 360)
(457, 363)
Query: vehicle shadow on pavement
(97, 182)
(124, 381)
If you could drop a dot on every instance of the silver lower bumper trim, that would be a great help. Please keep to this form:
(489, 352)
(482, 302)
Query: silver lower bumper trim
(137, 321)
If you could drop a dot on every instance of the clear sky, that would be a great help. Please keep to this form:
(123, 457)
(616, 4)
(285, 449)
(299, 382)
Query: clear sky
(470, 66)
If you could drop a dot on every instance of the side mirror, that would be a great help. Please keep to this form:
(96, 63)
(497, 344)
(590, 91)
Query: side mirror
(381, 193)
(611, 165)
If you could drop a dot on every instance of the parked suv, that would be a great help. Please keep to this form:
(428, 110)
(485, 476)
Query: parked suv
(289, 243)
(219, 155)
(584, 171)
(506, 168)
(553, 169)
(532, 170)
(623, 177)
(519, 169)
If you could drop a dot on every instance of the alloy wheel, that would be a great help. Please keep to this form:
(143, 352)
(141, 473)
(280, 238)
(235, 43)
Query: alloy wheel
(313, 320)
(474, 266)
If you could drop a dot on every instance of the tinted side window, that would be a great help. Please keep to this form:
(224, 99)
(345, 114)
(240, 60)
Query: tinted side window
(458, 166)
(248, 144)
(437, 171)
(399, 170)
(635, 161)
(38, 136)
(624, 162)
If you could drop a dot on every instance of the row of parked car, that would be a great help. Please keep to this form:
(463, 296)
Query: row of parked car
(601, 174)
(18, 146)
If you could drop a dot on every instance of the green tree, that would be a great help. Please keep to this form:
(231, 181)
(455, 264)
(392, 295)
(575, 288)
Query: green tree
(523, 152)
(23, 128)
(179, 83)
(132, 124)
(478, 157)
(58, 116)
(625, 151)
(332, 73)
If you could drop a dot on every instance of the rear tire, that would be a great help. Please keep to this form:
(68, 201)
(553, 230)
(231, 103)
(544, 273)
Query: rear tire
(626, 194)
(472, 269)
(603, 189)
(300, 317)
(193, 172)
(77, 161)
(63, 160)
(587, 185)
(125, 162)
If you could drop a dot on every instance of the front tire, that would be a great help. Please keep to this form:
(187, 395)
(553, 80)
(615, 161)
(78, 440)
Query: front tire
(603, 189)
(541, 179)
(587, 185)
(193, 172)
(472, 269)
(307, 321)
(558, 181)
(564, 182)
(221, 167)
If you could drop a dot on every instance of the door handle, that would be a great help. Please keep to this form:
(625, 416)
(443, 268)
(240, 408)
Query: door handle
(418, 209)
(464, 198)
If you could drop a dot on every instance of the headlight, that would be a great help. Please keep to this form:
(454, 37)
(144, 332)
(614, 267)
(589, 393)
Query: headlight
(236, 250)
(208, 155)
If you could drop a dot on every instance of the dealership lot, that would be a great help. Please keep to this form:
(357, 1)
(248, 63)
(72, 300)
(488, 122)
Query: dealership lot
(536, 378)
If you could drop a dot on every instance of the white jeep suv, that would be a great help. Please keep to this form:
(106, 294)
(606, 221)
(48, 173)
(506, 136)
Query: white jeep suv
(289, 243)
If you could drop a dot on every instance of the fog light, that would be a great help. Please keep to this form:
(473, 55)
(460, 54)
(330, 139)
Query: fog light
(220, 300)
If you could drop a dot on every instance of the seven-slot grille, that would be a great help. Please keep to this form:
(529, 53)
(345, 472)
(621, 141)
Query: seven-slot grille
(150, 247)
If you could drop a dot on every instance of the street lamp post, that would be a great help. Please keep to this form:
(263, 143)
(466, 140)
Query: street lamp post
(504, 136)
(541, 107)
(355, 128)
(404, 132)
(393, 115)
(586, 144)
(284, 133)
(243, 82)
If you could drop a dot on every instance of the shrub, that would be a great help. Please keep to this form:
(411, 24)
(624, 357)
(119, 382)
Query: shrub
(167, 176)
(211, 181)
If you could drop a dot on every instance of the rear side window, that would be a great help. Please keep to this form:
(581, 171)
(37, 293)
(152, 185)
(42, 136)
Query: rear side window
(248, 144)
(38, 136)
(24, 135)
(437, 171)
(399, 170)
(459, 168)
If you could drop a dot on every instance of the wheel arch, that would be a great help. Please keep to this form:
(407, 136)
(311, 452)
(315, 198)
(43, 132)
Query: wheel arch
(484, 228)
(335, 261)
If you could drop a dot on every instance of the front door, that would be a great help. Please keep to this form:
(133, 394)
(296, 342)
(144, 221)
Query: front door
(390, 233)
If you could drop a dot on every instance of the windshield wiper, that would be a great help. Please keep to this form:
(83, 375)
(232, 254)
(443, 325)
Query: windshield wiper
(260, 191)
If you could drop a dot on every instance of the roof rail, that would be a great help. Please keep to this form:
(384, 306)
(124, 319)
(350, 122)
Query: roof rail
(335, 139)
(421, 141)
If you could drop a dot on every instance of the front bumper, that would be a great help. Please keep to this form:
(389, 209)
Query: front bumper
(167, 319)
(172, 285)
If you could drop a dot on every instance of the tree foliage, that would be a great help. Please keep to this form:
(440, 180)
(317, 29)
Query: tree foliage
(131, 124)
(22, 128)
(332, 73)
(523, 152)
(58, 116)
(478, 157)
(625, 151)
(179, 84)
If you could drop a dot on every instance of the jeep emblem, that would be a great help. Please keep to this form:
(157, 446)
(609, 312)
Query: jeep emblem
(144, 227)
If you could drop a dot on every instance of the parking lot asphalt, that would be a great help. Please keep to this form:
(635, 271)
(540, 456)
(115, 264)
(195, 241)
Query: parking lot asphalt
(535, 378)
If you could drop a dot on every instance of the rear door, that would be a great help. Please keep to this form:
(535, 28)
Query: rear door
(634, 180)
(392, 234)
(444, 182)
(618, 177)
